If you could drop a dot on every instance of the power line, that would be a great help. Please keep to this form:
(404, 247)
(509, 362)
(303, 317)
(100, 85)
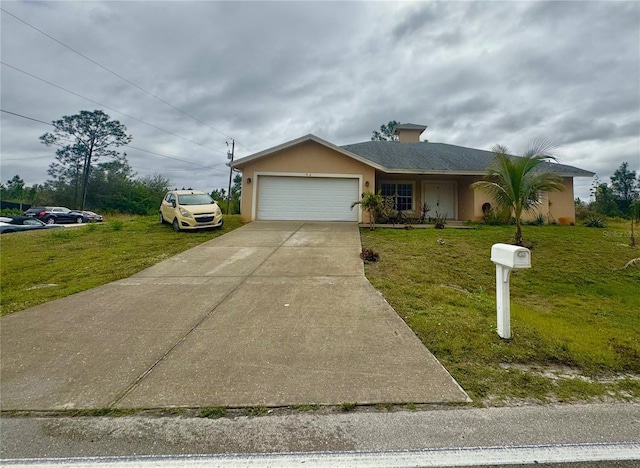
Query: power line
(35, 157)
(121, 77)
(25, 117)
(176, 159)
(212, 167)
(110, 108)
(164, 170)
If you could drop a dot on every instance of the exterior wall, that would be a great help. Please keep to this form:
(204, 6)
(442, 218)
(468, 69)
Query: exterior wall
(307, 159)
(409, 136)
(466, 198)
(561, 204)
(481, 198)
(558, 206)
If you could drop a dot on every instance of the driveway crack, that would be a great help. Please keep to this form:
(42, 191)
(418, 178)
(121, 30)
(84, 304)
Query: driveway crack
(142, 376)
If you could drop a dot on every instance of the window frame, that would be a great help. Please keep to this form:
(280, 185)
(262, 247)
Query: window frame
(396, 182)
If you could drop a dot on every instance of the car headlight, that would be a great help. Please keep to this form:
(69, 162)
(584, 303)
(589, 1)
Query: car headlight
(185, 213)
(217, 210)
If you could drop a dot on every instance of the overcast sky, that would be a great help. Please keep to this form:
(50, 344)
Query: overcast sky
(477, 73)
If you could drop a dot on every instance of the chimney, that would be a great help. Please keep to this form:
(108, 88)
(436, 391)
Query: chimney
(409, 133)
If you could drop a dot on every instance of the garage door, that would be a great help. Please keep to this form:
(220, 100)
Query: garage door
(307, 198)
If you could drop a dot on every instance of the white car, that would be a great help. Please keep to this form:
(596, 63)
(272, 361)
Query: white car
(190, 209)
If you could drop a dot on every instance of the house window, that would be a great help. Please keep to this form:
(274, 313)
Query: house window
(401, 193)
(535, 198)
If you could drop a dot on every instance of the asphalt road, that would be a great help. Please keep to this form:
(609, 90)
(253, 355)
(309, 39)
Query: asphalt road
(605, 428)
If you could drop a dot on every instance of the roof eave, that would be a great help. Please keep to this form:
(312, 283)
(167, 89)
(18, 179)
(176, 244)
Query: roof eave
(465, 173)
(432, 172)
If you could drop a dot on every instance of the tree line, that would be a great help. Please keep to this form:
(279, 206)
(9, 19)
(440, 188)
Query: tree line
(89, 173)
(615, 199)
(112, 186)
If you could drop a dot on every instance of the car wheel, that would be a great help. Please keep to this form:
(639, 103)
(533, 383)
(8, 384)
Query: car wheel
(176, 225)
(50, 221)
(160, 218)
(79, 220)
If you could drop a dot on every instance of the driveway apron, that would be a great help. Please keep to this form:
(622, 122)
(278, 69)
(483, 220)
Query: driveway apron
(272, 313)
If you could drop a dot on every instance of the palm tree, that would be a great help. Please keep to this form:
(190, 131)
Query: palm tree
(372, 203)
(514, 183)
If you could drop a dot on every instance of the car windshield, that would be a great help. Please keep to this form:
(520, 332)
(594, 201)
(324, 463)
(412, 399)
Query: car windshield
(195, 199)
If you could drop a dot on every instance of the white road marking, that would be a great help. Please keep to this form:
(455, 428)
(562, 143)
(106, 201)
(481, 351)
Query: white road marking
(471, 456)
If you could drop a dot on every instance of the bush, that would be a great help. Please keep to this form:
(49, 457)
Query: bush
(441, 220)
(539, 220)
(116, 224)
(496, 218)
(595, 221)
(10, 212)
(369, 255)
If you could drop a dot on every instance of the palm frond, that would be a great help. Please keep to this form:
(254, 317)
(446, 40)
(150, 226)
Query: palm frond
(513, 182)
(543, 148)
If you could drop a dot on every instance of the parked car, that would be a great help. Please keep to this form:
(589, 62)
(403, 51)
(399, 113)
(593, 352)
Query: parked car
(23, 223)
(92, 217)
(190, 209)
(56, 215)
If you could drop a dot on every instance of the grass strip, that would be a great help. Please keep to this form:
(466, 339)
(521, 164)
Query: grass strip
(40, 266)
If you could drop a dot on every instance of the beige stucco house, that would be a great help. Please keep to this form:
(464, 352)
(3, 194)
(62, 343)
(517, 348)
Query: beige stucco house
(312, 179)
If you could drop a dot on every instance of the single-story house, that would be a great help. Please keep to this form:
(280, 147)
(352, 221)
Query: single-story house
(312, 179)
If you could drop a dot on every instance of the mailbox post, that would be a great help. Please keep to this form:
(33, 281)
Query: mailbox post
(507, 257)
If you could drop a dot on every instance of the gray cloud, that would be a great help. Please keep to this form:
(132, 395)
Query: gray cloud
(477, 73)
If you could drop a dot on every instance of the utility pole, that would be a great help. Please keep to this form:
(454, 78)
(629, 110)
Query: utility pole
(230, 156)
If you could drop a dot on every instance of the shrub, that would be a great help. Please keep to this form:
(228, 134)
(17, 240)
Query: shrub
(595, 221)
(441, 220)
(539, 220)
(496, 218)
(424, 212)
(116, 224)
(10, 212)
(369, 255)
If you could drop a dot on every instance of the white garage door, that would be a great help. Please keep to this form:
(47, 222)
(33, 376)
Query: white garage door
(307, 198)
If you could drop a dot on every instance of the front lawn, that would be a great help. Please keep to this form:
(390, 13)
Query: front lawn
(39, 266)
(575, 315)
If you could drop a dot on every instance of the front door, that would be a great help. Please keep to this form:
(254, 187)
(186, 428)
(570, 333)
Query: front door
(441, 198)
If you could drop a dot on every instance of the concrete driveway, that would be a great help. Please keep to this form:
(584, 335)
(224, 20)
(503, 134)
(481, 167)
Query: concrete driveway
(273, 313)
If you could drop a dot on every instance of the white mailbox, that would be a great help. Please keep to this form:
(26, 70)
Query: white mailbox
(507, 257)
(511, 256)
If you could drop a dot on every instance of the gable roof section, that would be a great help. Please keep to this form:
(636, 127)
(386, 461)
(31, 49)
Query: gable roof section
(239, 163)
(439, 158)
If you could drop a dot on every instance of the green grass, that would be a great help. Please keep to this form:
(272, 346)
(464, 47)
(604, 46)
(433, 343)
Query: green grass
(213, 412)
(256, 411)
(576, 310)
(348, 406)
(305, 408)
(39, 266)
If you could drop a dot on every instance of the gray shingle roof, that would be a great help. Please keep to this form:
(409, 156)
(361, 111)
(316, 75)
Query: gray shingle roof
(425, 157)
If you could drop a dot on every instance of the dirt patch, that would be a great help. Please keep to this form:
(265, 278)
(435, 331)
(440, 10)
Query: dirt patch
(556, 372)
